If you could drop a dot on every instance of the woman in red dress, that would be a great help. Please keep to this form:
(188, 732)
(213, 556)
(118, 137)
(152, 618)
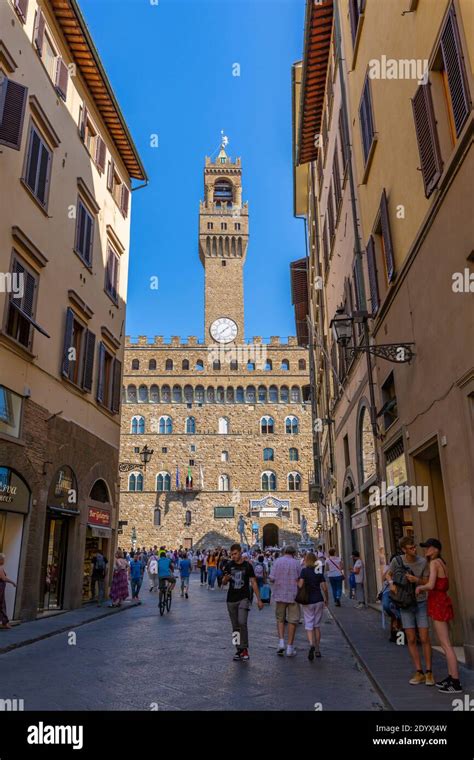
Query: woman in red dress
(440, 610)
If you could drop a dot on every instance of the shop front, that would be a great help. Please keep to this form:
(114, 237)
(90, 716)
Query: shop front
(98, 539)
(15, 498)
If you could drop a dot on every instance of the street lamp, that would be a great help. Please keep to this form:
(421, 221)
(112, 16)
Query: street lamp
(145, 455)
(341, 325)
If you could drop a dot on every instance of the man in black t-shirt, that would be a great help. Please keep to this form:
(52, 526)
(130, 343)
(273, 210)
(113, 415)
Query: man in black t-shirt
(239, 574)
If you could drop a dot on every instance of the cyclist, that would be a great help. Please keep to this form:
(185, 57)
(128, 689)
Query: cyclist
(165, 570)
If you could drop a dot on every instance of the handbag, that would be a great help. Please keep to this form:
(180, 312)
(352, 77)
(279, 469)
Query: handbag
(337, 568)
(405, 595)
(302, 595)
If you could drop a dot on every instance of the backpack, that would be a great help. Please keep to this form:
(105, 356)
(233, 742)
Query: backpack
(99, 565)
(153, 567)
(259, 570)
(405, 595)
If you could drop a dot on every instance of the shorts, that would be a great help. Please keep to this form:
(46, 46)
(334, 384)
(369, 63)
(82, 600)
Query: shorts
(169, 578)
(291, 609)
(313, 614)
(415, 616)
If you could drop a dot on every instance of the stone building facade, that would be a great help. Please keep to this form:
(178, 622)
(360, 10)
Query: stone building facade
(229, 421)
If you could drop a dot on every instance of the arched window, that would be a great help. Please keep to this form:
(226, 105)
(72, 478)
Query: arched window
(220, 395)
(138, 425)
(169, 364)
(294, 481)
(157, 518)
(295, 395)
(187, 518)
(177, 394)
(273, 394)
(294, 455)
(190, 425)
(284, 394)
(188, 394)
(251, 366)
(239, 395)
(199, 394)
(268, 365)
(211, 396)
(135, 481)
(296, 517)
(143, 394)
(224, 483)
(285, 365)
(154, 394)
(216, 365)
(366, 446)
(166, 394)
(268, 455)
(262, 394)
(185, 364)
(301, 363)
(267, 424)
(100, 492)
(230, 395)
(269, 481)
(132, 394)
(199, 366)
(166, 425)
(291, 425)
(152, 364)
(163, 481)
(135, 364)
(234, 365)
(223, 191)
(251, 395)
(223, 425)
(224, 456)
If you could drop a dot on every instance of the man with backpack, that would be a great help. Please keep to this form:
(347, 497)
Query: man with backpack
(405, 573)
(152, 570)
(99, 569)
(260, 571)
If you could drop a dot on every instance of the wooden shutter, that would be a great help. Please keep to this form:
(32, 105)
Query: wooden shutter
(353, 17)
(110, 175)
(40, 24)
(343, 141)
(387, 237)
(21, 7)
(89, 352)
(28, 300)
(456, 72)
(116, 385)
(427, 136)
(100, 153)
(366, 120)
(62, 78)
(83, 124)
(88, 239)
(373, 283)
(67, 341)
(101, 375)
(125, 199)
(12, 113)
(44, 174)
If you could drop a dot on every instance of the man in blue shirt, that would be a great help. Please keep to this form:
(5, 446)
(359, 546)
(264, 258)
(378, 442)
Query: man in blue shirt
(136, 576)
(184, 566)
(165, 570)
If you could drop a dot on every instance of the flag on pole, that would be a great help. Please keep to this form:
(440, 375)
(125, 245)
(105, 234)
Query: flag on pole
(189, 478)
(201, 473)
(177, 476)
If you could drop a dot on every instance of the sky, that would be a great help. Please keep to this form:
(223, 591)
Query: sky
(171, 66)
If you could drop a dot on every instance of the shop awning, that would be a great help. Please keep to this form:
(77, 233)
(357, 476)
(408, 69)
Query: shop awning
(98, 532)
(63, 511)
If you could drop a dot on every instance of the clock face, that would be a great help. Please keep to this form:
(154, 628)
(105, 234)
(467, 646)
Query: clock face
(223, 330)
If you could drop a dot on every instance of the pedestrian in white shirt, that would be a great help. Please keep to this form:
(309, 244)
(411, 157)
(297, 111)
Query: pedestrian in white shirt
(359, 571)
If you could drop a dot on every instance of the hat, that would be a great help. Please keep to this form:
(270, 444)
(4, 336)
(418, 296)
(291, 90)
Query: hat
(432, 542)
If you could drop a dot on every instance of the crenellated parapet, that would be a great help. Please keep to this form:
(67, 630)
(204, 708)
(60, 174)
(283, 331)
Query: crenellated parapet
(176, 341)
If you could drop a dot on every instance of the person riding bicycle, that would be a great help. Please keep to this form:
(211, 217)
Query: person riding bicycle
(165, 570)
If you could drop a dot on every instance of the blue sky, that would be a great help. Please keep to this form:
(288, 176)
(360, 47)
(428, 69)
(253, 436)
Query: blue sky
(171, 68)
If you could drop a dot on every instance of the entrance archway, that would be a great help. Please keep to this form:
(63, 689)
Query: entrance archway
(270, 535)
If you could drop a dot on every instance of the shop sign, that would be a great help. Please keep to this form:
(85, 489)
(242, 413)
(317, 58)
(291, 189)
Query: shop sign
(396, 472)
(360, 519)
(98, 517)
(101, 532)
(14, 493)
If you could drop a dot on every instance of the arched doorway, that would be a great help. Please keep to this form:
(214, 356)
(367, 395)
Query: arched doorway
(270, 535)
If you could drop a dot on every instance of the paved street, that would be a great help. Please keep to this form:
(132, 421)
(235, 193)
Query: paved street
(183, 661)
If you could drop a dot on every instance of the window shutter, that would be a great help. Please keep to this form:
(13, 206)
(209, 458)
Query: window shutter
(83, 124)
(366, 121)
(455, 68)
(100, 154)
(89, 352)
(28, 299)
(101, 376)
(116, 386)
(387, 237)
(12, 113)
(89, 239)
(40, 24)
(62, 78)
(67, 341)
(21, 7)
(125, 200)
(110, 175)
(372, 267)
(427, 136)
(355, 282)
(44, 173)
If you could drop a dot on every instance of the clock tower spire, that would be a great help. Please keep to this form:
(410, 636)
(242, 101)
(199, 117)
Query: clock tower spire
(223, 240)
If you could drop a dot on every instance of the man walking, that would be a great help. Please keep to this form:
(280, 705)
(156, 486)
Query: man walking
(184, 566)
(99, 569)
(136, 576)
(414, 569)
(359, 571)
(152, 569)
(285, 575)
(240, 576)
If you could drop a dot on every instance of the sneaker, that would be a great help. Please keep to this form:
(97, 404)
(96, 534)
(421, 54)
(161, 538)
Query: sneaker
(452, 687)
(446, 680)
(417, 678)
(186, 595)
(237, 656)
(281, 651)
(338, 602)
(291, 652)
(318, 654)
(245, 654)
(359, 606)
(429, 680)
(311, 654)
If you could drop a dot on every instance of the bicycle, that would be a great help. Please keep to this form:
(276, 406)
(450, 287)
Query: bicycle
(166, 591)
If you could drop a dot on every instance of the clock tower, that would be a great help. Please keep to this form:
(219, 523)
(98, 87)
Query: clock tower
(223, 240)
